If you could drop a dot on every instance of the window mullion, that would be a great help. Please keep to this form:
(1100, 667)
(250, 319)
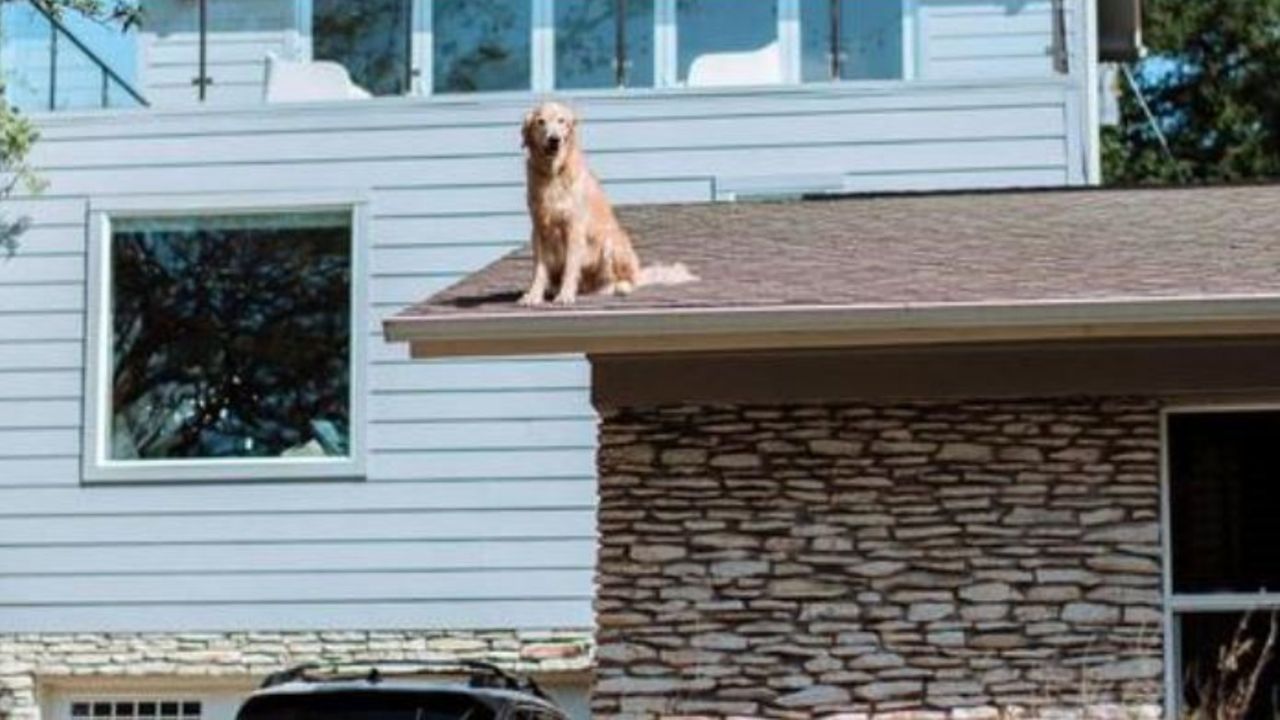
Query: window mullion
(789, 39)
(544, 46)
(665, 56)
(304, 17)
(423, 47)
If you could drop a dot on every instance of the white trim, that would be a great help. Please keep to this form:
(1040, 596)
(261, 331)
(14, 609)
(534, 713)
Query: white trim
(304, 16)
(1092, 122)
(542, 46)
(910, 39)
(790, 42)
(423, 48)
(1174, 605)
(96, 466)
(666, 55)
(516, 325)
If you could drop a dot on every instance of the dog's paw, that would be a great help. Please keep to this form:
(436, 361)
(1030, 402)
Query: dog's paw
(530, 299)
(566, 298)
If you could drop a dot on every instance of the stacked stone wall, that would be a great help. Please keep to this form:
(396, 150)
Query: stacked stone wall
(915, 560)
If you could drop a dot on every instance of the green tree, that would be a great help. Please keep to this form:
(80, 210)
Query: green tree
(18, 135)
(1212, 80)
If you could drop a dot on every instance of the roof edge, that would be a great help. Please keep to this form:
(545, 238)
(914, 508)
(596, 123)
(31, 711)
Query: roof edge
(740, 328)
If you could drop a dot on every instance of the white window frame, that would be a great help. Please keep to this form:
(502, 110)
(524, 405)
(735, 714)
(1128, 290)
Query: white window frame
(98, 467)
(1175, 604)
(665, 45)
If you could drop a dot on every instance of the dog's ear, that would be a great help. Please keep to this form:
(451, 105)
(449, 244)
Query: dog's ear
(526, 129)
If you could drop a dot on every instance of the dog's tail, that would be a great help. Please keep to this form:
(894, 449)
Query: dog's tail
(665, 274)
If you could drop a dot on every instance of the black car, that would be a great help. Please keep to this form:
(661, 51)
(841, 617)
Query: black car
(398, 692)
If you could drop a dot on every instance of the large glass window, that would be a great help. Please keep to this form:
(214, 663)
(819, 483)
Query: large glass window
(604, 43)
(1224, 496)
(727, 42)
(370, 38)
(230, 337)
(851, 40)
(482, 45)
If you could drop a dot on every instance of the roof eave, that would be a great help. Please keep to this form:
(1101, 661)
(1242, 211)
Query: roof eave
(598, 331)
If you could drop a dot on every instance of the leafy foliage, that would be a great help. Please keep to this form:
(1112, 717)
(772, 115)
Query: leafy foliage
(18, 135)
(1211, 83)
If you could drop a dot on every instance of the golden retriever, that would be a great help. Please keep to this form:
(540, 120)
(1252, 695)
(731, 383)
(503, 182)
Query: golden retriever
(578, 244)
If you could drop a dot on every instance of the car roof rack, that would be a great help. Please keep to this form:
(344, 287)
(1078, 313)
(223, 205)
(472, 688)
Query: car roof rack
(480, 674)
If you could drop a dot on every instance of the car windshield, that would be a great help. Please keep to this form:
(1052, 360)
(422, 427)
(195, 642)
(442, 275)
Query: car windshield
(384, 705)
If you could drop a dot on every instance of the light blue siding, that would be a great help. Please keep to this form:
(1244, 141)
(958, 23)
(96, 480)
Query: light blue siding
(478, 506)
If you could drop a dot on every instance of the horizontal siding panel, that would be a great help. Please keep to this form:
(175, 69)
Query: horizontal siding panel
(182, 52)
(50, 239)
(415, 261)
(480, 435)
(464, 525)
(45, 210)
(41, 355)
(444, 405)
(51, 297)
(28, 443)
(462, 464)
(795, 128)
(40, 471)
(393, 294)
(669, 106)
(509, 200)
(212, 617)
(24, 269)
(1027, 45)
(710, 161)
(41, 385)
(390, 231)
(997, 20)
(937, 180)
(1017, 66)
(248, 498)
(302, 557)
(39, 414)
(41, 326)
(299, 587)
(557, 373)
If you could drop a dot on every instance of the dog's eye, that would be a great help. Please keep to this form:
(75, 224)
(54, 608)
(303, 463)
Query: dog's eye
(542, 121)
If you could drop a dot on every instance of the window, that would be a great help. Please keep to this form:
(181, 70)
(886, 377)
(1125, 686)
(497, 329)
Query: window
(370, 38)
(1223, 494)
(141, 708)
(226, 345)
(602, 44)
(726, 42)
(852, 40)
(482, 45)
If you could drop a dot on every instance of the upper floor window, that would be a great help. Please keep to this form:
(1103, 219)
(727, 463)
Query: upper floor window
(859, 40)
(728, 42)
(370, 38)
(604, 44)
(227, 346)
(482, 45)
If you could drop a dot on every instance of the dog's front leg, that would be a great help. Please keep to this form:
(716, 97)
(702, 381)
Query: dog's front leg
(575, 256)
(537, 292)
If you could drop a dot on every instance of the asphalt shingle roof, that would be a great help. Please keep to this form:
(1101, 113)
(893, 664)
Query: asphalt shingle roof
(962, 248)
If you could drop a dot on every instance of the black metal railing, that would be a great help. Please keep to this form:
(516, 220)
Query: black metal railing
(46, 67)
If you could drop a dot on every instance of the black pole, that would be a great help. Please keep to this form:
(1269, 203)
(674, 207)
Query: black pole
(620, 39)
(203, 80)
(836, 62)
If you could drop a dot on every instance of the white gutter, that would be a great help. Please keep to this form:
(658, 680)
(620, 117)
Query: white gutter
(651, 329)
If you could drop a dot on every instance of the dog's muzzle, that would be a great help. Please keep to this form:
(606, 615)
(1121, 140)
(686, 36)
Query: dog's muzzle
(553, 145)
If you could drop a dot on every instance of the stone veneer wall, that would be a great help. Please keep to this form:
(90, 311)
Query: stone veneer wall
(920, 560)
(27, 658)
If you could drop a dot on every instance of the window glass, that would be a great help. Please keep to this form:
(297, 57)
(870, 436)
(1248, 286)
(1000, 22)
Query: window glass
(1203, 640)
(421, 705)
(1224, 483)
(725, 42)
(370, 38)
(482, 45)
(587, 49)
(231, 336)
(870, 35)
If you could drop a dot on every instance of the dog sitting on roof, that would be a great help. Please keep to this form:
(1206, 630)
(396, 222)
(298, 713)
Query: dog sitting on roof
(578, 244)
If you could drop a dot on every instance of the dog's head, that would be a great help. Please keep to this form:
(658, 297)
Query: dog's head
(549, 132)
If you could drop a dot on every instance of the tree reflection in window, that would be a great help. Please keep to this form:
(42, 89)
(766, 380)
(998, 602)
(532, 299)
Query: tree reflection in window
(602, 44)
(482, 45)
(231, 336)
(370, 38)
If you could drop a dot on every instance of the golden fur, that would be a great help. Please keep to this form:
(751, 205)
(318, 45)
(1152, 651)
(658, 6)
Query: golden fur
(578, 245)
